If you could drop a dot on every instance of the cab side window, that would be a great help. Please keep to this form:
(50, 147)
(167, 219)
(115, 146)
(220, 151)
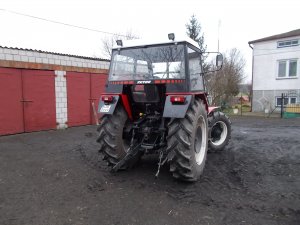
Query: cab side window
(195, 70)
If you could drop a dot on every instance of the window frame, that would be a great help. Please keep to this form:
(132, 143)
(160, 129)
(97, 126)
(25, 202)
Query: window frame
(189, 46)
(114, 62)
(287, 68)
(284, 44)
(288, 101)
(290, 98)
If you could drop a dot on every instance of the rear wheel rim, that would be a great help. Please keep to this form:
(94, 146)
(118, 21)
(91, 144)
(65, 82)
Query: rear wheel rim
(200, 140)
(219, 133)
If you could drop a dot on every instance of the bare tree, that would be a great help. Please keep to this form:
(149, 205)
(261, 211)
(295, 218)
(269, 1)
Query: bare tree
(109, 41)
(249, 91)
(246, 89)
(224, 84)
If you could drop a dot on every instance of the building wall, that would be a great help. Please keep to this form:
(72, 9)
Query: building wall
(17, 57)
(266, 84)
(60, 64)
(265, 99)
(61, 99)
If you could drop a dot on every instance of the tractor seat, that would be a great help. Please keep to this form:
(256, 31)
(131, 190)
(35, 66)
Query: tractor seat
(145, 93)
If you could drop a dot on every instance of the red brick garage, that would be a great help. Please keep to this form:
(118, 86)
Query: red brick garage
(27, 100)
(33, 89)
(83, 89)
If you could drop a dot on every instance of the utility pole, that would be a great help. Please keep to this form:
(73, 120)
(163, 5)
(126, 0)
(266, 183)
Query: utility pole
(219, 25)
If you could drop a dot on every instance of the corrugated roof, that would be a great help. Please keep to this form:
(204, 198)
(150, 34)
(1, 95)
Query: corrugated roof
(55, 53)
(292, 33)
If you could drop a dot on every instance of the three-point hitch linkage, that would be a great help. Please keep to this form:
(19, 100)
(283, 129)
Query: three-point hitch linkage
(146, 137)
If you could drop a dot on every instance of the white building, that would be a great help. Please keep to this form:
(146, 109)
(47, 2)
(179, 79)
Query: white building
(275, 70)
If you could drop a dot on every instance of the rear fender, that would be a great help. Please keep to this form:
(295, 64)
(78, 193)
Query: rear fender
(108, 107)
(176, 110)
(203, 97)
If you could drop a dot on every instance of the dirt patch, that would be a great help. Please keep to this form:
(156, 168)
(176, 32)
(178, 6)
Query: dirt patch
(57, 177)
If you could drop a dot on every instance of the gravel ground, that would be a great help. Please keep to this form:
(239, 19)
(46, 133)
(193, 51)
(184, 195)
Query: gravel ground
(57, 177)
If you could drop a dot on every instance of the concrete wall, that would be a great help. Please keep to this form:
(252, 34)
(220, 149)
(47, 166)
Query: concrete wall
(266, 84)
(265, 99)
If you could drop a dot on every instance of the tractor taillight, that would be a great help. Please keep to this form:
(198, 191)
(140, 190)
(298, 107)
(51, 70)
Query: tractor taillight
(107, 98)
(177, 99)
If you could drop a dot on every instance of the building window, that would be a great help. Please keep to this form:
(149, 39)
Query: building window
(287, 43)
(293, 100)
(287, 100)
(287, 68)
(292, 68)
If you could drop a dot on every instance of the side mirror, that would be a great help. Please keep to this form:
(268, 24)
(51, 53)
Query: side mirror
(219, 60)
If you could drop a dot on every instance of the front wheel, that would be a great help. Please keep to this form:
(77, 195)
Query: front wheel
(219, 130)
(188, 140)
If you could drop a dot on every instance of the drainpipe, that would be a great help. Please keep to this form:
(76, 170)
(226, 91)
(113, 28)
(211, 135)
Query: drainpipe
(252, 77)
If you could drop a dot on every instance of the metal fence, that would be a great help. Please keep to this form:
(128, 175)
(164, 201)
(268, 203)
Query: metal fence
(290, 105)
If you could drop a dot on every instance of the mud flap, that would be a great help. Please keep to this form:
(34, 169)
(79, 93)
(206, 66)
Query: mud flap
(109, 107)
(176, 110)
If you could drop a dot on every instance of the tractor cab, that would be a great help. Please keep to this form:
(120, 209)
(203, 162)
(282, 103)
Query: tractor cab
(176, 65)
(147, 74)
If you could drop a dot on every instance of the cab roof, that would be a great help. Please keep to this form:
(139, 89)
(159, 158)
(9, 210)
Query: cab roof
(145, 42)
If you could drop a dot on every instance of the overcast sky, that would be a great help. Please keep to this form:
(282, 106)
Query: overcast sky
(241, 21)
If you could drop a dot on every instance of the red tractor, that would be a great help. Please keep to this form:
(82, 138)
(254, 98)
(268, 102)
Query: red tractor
(156, 103)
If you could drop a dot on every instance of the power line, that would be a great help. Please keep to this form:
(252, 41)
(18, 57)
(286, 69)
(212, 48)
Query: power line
(61, 23)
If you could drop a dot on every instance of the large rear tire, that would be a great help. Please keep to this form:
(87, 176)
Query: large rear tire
(219, 130)
(188, 140)
(112, 144)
